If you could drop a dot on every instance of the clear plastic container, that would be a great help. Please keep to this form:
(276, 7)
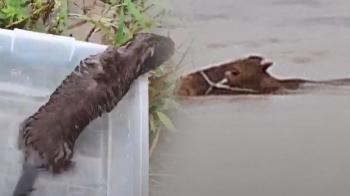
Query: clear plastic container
(111, 155)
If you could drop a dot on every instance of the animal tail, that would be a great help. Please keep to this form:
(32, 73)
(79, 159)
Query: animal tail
(30, 172)
(25, 184)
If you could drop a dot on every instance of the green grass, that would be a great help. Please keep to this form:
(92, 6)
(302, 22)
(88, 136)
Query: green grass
(116, 23)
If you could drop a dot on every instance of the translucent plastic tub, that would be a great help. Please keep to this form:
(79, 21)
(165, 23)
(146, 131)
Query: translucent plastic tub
(111, 155)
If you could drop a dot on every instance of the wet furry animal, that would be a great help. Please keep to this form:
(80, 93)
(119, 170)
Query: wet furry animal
(95, 87)
(244, 76)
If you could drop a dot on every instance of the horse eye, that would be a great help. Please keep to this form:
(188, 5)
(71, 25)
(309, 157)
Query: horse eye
(234, 72)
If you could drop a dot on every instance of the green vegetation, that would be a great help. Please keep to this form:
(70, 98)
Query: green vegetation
(33, 15)
(116, 23)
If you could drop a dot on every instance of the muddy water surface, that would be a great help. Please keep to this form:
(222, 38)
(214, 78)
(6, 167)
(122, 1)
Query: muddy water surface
(268, 145)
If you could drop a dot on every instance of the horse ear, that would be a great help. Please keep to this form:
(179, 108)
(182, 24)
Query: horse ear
(265, 66)
(255, 59)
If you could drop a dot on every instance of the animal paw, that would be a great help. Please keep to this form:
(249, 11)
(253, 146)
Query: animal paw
(66, 166)
(70, 166)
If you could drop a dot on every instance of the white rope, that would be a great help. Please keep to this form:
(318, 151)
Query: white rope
(221, 84)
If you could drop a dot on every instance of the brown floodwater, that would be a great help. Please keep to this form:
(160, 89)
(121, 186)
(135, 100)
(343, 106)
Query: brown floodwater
(267, 145)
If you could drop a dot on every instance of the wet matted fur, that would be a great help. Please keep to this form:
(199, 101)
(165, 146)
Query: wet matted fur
(95, 87)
